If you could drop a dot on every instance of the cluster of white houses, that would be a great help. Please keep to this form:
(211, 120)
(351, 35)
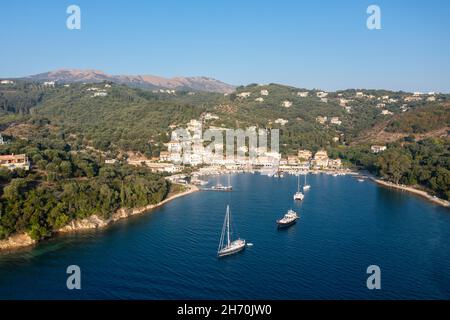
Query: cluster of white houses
(190, 150)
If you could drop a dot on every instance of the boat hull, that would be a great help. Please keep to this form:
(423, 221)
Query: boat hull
(282, 225)
(228, 252)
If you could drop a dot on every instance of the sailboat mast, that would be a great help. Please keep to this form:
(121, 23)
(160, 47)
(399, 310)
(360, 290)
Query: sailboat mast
(298, 183)
(228, 224)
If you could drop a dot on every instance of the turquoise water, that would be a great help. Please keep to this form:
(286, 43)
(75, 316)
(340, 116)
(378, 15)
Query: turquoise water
(344, 227)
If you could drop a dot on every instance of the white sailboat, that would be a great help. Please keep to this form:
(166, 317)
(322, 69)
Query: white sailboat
(306, 186)
(298, 195)
(227, 245)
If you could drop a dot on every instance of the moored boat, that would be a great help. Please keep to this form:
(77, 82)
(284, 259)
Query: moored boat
(227, 246)
(288, 219)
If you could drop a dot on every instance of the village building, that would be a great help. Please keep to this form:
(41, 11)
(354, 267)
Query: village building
(321, 119)
(320, 159)
(377, 149)
(304, 155)
(264, 92)
(194, 125)
(164, 156)
(334, 164)
(281, 121)
(244, 94)
(287, 104)
(209, 116)
(292, 160)
(335, 120)
(12, 161)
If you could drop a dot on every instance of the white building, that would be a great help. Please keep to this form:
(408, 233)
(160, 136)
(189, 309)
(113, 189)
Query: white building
(322, 94)
(244, 94)
(194, 125)
(100, 94)
(6, 82)
(321, 119)
(335, 120)
(343, 102)
(281, 121)
(320, 159)
(386, 112)
(287, 104)
(209, 116)
(377, 149)
(259, 99)
(304, 155)
(303, 94)
(264, 92)
(49, 83)
(12, 161)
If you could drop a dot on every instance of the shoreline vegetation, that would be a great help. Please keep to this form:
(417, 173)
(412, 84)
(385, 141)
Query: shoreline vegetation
(412, 190)
(22, 240)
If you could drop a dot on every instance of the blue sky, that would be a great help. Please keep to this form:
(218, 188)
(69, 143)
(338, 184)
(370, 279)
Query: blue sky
(313, 44)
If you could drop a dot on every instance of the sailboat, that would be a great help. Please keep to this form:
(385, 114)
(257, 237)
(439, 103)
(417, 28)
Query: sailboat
(298, 195)
(306, 186)
(227, 246)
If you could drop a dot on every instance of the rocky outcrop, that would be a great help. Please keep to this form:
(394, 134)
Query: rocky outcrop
(16, 241)
(96, 222)
(92, 222)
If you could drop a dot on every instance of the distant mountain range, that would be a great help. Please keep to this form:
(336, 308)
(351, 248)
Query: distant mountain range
(141, 81)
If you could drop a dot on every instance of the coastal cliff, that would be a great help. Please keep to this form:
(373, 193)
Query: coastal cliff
(93, 222)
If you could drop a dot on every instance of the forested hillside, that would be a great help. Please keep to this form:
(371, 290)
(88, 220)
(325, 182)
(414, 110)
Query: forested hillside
(67, 131)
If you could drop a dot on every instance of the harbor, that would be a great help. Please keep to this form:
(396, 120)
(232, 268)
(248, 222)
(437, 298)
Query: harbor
(325, 253)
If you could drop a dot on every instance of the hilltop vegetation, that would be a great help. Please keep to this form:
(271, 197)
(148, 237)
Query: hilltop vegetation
(68, 183)
(422, 120)
(60, 128)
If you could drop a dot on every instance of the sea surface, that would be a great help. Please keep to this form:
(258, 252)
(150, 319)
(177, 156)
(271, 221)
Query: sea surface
(344, 227)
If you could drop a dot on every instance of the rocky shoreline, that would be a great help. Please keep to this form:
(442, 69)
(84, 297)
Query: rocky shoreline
(23, 240)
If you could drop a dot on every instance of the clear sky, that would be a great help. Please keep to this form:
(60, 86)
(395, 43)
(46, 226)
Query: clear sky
(311, 44)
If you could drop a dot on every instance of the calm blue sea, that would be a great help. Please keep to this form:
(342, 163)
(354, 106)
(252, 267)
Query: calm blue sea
(344, 227)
